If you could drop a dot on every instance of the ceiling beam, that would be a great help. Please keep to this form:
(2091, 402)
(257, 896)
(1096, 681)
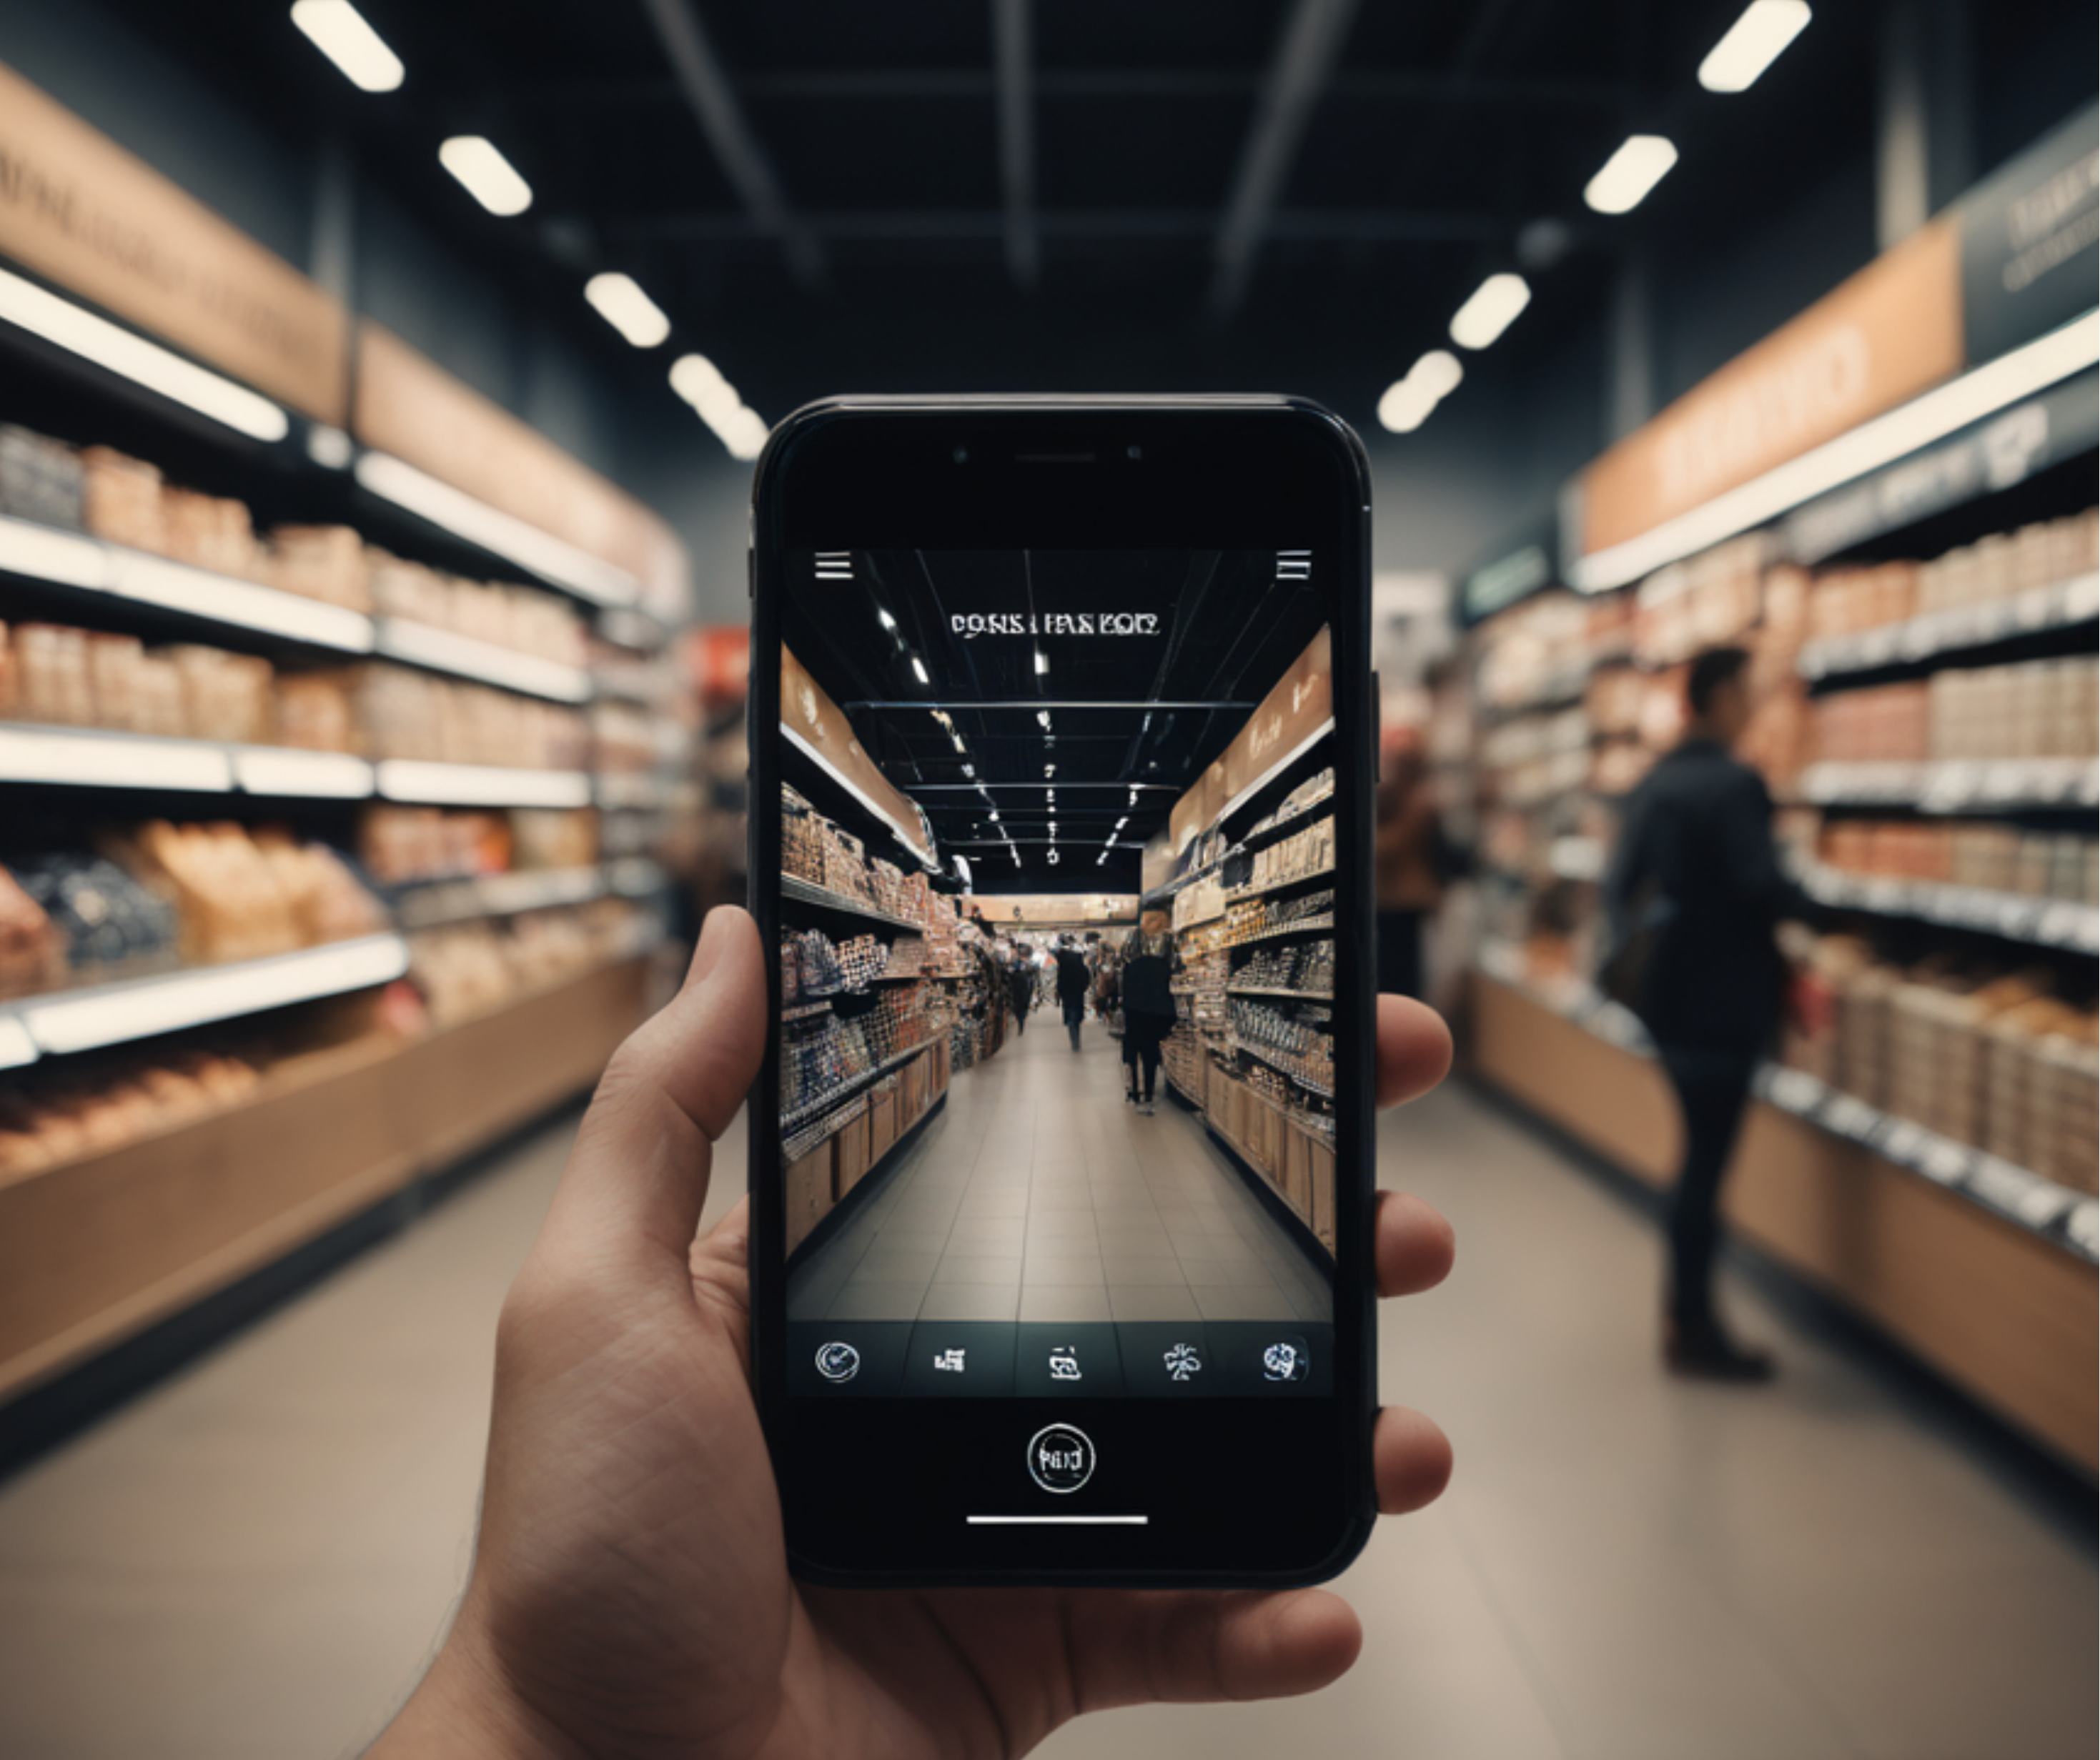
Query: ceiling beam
(1305, 61)
(1011, 40)
(705, 87)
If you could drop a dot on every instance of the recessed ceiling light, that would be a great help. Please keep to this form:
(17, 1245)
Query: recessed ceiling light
(620, 300)
(1042, 662)
(339, 31)
(1493, 308)
(489, 177)
(1754, 42)
(919, 669)
(1623, 181)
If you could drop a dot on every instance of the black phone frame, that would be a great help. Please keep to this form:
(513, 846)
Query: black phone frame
(1001, 473)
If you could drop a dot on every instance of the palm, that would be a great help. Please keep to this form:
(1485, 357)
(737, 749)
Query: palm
(630, 1592)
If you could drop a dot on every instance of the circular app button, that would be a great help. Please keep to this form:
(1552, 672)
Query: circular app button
(838, 1362)
(1060, 1458)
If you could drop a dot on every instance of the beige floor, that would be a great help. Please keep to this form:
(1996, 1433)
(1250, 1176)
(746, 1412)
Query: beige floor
(1038, 1193)
(252, 1560)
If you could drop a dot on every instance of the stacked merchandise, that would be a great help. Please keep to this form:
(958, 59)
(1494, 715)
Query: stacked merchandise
(1973, 1052)
(1299, 1044)
(824, 1057)
(2033, 709)
(400, 714)
(1255, 918)
(1303, 854)
(168, 895)
(520, 619)
(471, 969)
(1995, 858)
(47, 1119)
(1303, 969)
(814, 966)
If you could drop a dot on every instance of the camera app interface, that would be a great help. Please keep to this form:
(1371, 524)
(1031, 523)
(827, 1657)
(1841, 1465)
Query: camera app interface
(1057, 974)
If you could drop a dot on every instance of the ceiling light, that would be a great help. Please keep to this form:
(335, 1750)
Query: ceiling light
(890, 623)
(79, 331)
(1642, 162)
(1121, 823)
(1408, 402)
(969, 770)
(1049, 770)
(693, 377)
(1043, 719)
(1754, 42)
(339, 30)
(747, 435)
(1493, 307)
(1053, 858)
(489, 177)
(918, 670)
(958, 739)
(1042, 662)
(994, 816)
(620, 300)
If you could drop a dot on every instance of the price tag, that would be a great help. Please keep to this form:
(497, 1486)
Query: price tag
(1943, 1162)
(1905, 1142)
(2081, 1227)
(1850, 1117)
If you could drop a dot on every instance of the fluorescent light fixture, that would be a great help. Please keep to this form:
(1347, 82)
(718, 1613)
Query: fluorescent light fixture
(1622, 183)
(694, 376)
(542, 552)
(489, 177)
(1407, 402)
(885, 619)
(90, 759)
(970, 770)
(1754, 42)
(1052, 858)
(116, 1013)
(918, 670)
(451, 785)
(1042, 662)
(994, 816)
(620, 300)
(747, 435)
(339, 30)
(329, 447)
(79, 331)
(463, 656)
(2031, 368)
(1493, 308)
(1120, 824)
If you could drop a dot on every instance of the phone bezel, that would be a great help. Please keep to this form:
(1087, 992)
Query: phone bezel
(1217, 472)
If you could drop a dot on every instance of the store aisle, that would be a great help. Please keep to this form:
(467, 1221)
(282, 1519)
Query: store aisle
(253, 1561)
(1040, 1194)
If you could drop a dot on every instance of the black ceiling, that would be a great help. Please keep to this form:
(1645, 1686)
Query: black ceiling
(1088, 194)
(1101, 741)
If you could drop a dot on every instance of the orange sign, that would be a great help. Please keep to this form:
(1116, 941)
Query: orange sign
(1890, 331)
(409, 406)
(821, 727)
(1302, 703)
(78, 209)
(1030, 910)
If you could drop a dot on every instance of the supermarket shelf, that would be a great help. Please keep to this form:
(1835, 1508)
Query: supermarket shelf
(2061, 605)
(641, 791)
(1301, 996)
(89, 758)
(807, 1010)
(45, 554)
(802, 892)
(1260, 1056)
(2038, 1204)
(2018, 917)
(1952, 786)
(846, 1090)
(450, 785)
(635, 877)
(1318, 925)
(140, 1008)
(1292, 885)
(441, 651)
(1322, 808)
(2055, 1213)
(437, 903)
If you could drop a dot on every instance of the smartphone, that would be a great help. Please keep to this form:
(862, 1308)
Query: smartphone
(1062, 746)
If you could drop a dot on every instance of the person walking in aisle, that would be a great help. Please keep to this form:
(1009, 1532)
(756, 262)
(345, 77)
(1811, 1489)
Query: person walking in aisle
(1693, 895)
(1072, 980)
(1020, 987)
(1148, 1002)
(1410, 886)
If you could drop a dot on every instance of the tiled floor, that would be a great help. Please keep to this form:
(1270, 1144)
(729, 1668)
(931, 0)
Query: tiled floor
(249, 1563)
(1040, 1194)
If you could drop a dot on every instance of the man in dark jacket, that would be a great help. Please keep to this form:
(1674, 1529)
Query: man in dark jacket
(1072, 980)
(1694, 894)
(1020, 987)
(1149, 960)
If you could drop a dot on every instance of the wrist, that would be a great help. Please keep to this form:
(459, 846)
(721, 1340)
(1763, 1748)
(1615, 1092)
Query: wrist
(466, 1707)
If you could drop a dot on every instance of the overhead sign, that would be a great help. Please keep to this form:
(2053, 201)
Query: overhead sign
(2029, 252)
(408, 406)
(1890, 331)
(79, 210)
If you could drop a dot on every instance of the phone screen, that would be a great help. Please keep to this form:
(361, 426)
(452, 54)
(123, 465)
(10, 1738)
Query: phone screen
(1056, 919)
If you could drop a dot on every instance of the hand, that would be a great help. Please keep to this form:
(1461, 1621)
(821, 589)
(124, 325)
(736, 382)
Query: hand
(630, 1594)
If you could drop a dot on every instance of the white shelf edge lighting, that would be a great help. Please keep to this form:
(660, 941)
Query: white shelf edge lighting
(466, 657)
(450, 785)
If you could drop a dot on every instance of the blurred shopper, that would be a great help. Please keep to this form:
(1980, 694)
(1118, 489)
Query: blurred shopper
(1693, 897)
(1072, 980)
(1020, 987)
(1410, 859)
(1147, 1003)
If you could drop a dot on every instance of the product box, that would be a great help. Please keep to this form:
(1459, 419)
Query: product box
(883, 1107)
(1321, 1172)
(808, 1185)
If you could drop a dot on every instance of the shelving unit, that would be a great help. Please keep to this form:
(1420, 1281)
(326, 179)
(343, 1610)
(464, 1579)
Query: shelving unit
(2016, 916)
(39, 756)
(2060, 606)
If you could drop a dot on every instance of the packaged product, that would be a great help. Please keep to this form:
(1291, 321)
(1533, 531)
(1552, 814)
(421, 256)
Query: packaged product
(40, 479)
(324, 562)
(121, 499)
